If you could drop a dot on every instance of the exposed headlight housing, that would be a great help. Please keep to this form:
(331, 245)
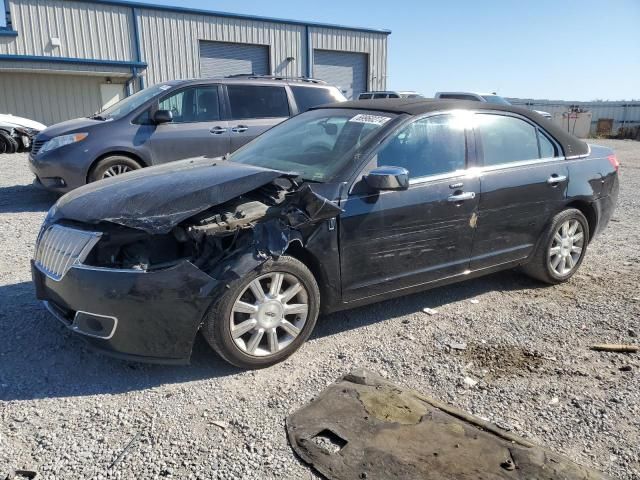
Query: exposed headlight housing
(63, 140)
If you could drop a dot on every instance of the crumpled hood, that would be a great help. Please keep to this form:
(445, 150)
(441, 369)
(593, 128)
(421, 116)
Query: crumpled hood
(155, 199)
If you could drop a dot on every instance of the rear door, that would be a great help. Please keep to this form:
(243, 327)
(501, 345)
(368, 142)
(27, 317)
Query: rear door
(254, 109)
(196, 129)
(523, 183)
(392, 240)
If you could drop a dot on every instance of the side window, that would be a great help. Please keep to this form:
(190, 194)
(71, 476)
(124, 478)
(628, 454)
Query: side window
(547, 148)
(430, 146)
(506, 139)
(252, 101)
(380, 95)
(307, 97)
(197, 104)
(365, 96)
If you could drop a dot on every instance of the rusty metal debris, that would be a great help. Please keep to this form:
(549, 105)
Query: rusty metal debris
(363, 426)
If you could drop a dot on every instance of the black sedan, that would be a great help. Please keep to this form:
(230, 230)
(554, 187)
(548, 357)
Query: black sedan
(337, 207)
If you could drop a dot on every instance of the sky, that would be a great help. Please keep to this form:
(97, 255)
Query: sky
(553, 49)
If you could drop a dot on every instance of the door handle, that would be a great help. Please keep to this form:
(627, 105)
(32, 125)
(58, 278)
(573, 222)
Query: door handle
(240, 129)
(461, 197)
(218, 130)
(555, 179)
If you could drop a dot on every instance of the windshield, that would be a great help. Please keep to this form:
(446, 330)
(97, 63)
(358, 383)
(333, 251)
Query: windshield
(127, 105)
(496, 99)
(316, 144)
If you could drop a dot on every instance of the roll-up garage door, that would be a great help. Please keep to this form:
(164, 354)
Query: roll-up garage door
(221, 59)
(345, 70)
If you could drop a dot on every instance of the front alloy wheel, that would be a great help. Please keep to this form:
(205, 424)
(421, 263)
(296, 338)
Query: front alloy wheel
(269, 314)
(265, 316)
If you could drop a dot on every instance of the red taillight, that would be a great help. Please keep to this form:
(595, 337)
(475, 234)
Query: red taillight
(614, 162)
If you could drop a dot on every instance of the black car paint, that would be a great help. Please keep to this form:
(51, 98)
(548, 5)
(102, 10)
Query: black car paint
(383, 244)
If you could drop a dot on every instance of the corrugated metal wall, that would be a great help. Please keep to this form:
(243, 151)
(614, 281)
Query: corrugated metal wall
(49, 98)
(170, 42)
(624, 114)
(375, 44)
(225, 58)
(85, 30)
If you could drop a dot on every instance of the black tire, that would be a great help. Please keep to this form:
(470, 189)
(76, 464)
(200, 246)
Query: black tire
(540, 265)
(216, 328)
(114, 162)
(8, 144)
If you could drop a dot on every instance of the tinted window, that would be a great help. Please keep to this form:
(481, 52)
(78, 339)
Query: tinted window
(307, 97)
(455, 96)
(380, 95)
(547, 149)
(506, 139)
(251, 101)
(393, 95)
(197, 104)
(365, 96)
(429, 146)
(496, 99)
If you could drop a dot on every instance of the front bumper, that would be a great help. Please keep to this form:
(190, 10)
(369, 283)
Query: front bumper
(148, 316)
(58, 172)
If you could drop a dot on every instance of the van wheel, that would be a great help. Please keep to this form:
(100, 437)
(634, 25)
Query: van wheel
(8, 144)
(561, 249)
(112, 166)
(265, 316)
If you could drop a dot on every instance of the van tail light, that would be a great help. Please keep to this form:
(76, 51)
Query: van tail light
(614, 162)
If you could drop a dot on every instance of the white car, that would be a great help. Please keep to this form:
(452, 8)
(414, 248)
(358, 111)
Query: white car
(16, 133)
(483, 97)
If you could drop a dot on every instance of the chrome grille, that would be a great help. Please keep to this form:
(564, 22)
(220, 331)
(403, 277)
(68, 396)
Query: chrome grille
(59, 248)
(37, 145)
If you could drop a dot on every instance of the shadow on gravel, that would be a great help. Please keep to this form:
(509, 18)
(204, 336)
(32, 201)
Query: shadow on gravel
(25, 198)
(40, 358)
(509, 280)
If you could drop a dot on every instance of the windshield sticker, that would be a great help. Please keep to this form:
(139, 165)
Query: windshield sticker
(374, 119)
(164, 87)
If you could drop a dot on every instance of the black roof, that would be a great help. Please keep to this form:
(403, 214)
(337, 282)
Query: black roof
(571, 145)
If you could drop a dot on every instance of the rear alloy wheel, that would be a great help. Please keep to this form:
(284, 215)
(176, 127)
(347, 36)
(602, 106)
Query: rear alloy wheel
(112, 166)
(264, 317)
(561, 249)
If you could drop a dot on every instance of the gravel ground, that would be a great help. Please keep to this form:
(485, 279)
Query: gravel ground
(68, 413)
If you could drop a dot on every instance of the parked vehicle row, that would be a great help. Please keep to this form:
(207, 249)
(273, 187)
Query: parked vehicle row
(167, 122)
(16, 133)
(340, 206)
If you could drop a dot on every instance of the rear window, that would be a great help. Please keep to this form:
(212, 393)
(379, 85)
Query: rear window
(253, 101)
(307, 97)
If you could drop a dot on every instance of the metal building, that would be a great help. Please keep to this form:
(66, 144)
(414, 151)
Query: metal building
(607, 117)
(61, 59)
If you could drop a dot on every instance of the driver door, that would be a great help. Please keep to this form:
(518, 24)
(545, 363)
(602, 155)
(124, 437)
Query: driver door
(392, 240)
(196, 129)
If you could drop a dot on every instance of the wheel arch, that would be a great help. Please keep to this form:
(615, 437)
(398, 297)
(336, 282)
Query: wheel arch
(297, 251)
(589, 211)
(123, 153)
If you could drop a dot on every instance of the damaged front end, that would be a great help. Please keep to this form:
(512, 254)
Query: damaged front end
(158, 275)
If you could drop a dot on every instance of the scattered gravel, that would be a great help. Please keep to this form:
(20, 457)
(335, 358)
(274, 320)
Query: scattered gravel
(68, 413)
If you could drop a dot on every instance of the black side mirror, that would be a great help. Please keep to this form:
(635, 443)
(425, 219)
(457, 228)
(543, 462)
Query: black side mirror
(162, 116)
(388, 178)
